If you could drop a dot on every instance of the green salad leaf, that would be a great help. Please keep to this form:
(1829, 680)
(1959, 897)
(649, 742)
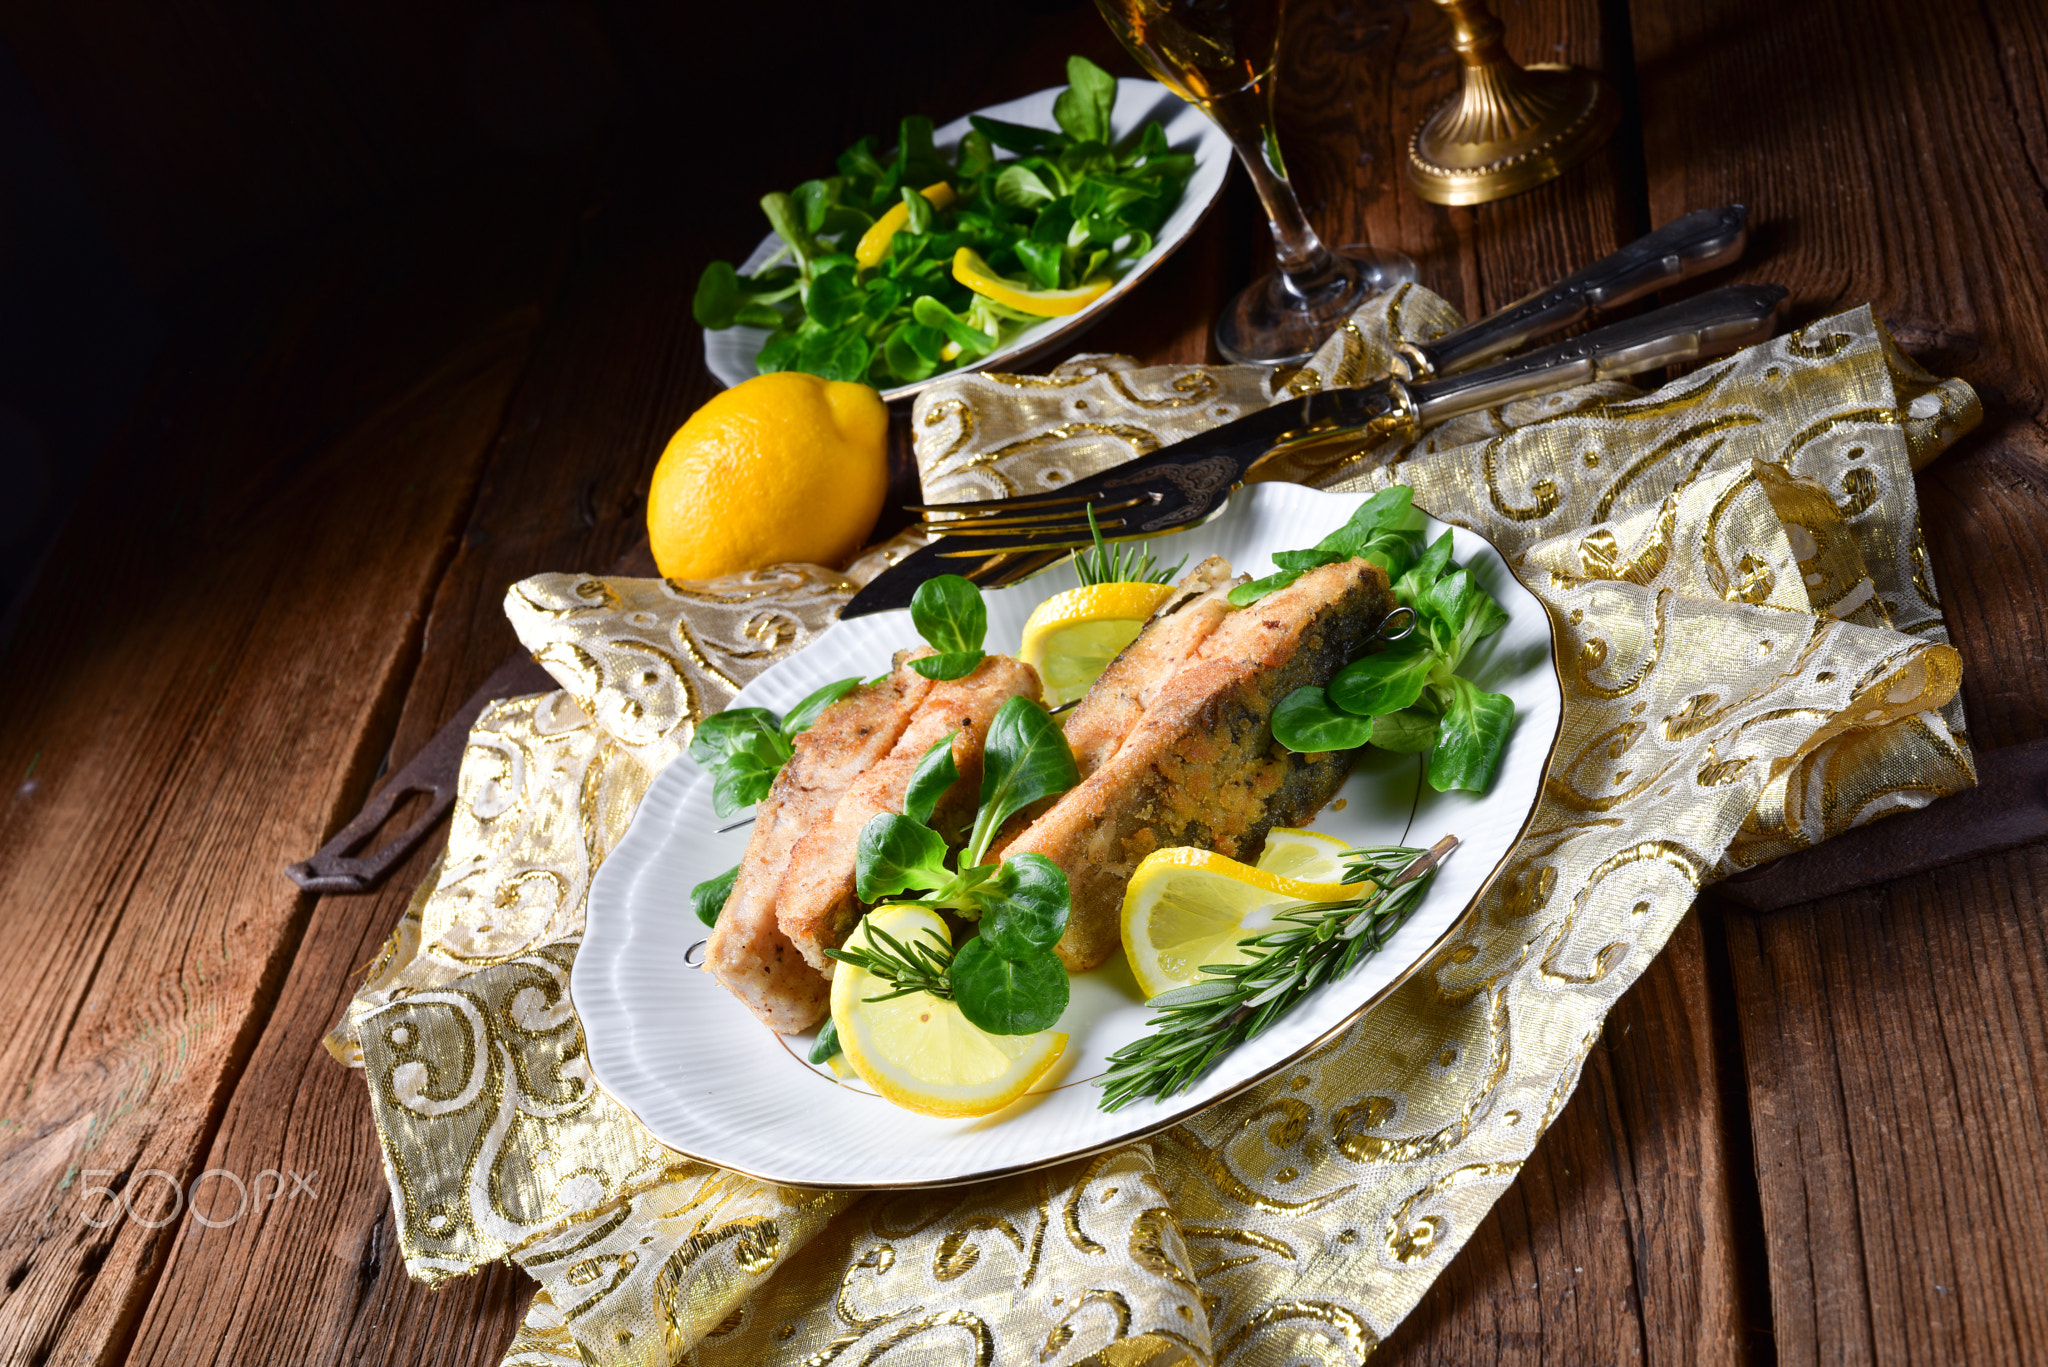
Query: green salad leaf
(744, 748)
(1063, 206)
(1406, 697)
(1410, 731)
(1375, 532)
(1082, 109)
(1014, 137)
(809, 709)
(1459, 614)
(935, 773)
(721, 733)
(1007, 979)
(896, 854)
(828, 1047)
(1306, 723)
(709, 897)
(1470, 738)
(1020, 187)
(1025, 758)
(1005, 994)
(1374, 685)
(748, 770)
(1244, 595)
(1413, 582)
(1025, 906)
(948, 664)
(723, 299)
(949, 613)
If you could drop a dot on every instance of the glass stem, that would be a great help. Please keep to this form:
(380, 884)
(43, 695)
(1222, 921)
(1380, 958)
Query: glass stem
(1306, 265)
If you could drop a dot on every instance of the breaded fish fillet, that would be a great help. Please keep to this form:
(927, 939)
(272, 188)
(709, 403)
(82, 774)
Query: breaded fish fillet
(748, 951)
(816, 906)
(1202, 768)
(1119, 698)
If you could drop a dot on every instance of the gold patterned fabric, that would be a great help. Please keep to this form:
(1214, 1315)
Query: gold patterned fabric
(1753, 659)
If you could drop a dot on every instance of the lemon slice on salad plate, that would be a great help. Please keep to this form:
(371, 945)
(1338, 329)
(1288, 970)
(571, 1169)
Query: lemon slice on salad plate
(1189, 907)
(1311, 856)
(918, 1050)
(1071, 637)
(970, 270)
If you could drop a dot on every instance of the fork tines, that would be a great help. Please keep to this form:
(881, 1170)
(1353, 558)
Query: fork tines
(979, 551)
(988, 505)
(1025, 517)
(1021, 526)
(1024, 533)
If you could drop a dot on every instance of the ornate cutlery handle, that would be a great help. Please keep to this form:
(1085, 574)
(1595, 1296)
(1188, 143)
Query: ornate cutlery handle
(1718, 321)
(1700, 241)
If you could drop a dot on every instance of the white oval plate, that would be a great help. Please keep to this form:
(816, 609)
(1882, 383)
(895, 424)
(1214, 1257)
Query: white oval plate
(730, 353)
(674, 1047)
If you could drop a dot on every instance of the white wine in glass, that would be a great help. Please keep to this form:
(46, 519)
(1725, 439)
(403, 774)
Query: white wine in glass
(1218, 55)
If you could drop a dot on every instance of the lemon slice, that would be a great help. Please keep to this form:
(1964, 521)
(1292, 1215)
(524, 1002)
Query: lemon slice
(970, 270)
(1186, 907)
(1071, 637)
(1310, 856)
(919, 1051)
(874, 243)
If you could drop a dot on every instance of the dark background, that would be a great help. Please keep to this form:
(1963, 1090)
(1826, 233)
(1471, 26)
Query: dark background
(167, 166)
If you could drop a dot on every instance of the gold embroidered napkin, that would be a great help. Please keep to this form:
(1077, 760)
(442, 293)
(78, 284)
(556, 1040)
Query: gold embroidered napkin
(1753, 659)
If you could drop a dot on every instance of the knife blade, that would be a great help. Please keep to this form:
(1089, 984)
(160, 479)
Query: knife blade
(1180, 485)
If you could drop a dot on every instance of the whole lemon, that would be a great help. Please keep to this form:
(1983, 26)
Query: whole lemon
(784, 466)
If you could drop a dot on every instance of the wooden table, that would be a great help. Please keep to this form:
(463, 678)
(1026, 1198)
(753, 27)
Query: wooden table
(415, 371)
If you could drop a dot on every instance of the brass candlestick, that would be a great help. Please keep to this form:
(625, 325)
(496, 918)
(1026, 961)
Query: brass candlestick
(1510, 127)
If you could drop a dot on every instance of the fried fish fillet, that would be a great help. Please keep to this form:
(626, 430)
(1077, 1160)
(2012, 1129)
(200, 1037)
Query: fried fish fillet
(1201, 767)
(1118, 699)
(748, 951)
(816, 906)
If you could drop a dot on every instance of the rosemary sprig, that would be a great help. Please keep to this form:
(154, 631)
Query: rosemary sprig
(924, 965)
(1106, 564)
(1303, 949)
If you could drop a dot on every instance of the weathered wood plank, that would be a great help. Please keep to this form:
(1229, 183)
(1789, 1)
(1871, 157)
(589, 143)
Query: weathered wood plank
(1898, 1059)
(1892, 1040)
(194, 692)
(615, 370)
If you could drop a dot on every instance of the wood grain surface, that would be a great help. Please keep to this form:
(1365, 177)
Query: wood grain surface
(202, 681)
(426, 367)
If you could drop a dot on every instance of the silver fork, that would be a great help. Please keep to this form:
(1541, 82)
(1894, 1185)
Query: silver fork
(998, 541)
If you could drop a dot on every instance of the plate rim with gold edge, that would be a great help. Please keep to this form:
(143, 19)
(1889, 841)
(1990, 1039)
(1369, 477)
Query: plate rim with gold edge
(683, 1055)
(729, 352)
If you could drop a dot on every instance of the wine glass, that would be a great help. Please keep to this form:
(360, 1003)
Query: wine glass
(1218, 55)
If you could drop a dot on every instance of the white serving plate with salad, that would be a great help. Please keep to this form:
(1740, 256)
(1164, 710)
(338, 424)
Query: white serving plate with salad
(674, 1047)
(730, 353)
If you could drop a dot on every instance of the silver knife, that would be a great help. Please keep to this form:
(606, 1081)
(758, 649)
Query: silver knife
(1180, 486)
